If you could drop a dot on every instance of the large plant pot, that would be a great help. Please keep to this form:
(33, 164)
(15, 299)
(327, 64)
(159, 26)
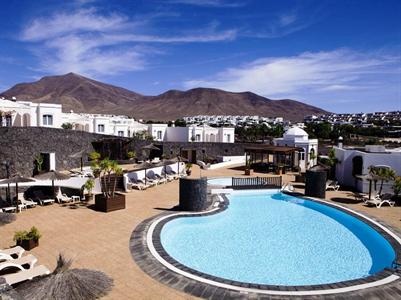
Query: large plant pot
(248, 171)
(189, 171)
(109, 204)
(28, 244)
(88, 197)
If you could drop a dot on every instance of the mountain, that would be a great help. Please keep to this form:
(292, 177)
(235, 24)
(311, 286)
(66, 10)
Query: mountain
(81, 94)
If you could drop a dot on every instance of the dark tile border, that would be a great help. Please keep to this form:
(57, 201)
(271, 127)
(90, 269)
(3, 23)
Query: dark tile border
(155, 269)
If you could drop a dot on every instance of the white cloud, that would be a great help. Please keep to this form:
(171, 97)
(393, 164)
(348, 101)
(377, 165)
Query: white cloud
(90, 43)
(308, 74)
(210, 3)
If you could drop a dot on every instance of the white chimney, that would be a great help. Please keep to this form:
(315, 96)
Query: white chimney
(340, 142)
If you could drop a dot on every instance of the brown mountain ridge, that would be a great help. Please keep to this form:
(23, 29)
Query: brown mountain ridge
(81, 94)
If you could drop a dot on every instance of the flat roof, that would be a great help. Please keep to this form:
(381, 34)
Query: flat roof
(271, 149)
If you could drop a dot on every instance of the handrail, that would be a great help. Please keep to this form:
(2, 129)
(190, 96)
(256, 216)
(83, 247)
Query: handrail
(256, 182)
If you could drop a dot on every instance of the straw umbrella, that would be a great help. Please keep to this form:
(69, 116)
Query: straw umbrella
(66, 283)
(16, 179)
(79, 155)
(53, 175)
(6, 218)
(149, 148)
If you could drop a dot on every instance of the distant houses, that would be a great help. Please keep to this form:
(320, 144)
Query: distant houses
(29, 114)
(361, 119)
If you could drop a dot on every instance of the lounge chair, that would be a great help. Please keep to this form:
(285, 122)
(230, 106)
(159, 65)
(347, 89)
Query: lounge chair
(42, 199)
(11, 253)
(288, 187)
(156, 178)
(155, 160)
(332, 185)
(19, 263)
(26, 275)
(137, 184)
(203, 165)
(27, 203)
(63, 198)
(378, 201)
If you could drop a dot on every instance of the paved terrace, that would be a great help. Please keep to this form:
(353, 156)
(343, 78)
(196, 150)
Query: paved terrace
(101, 241)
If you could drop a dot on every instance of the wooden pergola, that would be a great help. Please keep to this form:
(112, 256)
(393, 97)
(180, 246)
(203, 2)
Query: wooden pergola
(272, 157)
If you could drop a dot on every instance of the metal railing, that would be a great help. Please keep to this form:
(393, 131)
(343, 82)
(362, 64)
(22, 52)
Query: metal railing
(256, 182)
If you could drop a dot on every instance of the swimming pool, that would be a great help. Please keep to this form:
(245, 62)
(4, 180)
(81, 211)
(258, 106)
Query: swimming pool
(276, 239)
(223, 181)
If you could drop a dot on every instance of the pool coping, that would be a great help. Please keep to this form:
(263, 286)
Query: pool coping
(150, 229)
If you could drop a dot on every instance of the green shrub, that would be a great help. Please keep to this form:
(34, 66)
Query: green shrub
(24, 235)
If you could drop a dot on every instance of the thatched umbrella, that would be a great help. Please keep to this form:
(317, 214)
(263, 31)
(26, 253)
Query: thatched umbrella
(6, 218)
(80, 155)
(53, 175)
(16, 179)
(149, 148)
(66, 283)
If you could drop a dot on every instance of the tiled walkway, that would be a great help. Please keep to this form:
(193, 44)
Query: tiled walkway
(101, 241)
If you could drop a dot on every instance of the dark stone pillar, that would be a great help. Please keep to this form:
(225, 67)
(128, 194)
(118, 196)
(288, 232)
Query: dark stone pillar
(315, 183)
(193, 194)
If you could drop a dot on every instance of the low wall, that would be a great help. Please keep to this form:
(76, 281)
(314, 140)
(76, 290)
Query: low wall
(20, 146)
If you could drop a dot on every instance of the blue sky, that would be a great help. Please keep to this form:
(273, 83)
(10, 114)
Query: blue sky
(343, 56)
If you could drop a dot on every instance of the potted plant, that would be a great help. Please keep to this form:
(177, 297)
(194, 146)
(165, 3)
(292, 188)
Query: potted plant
(188, 168)
(131, 155)
(248, 170)
(39, 163)
(27, 240)
(89, 185)
(109, 200)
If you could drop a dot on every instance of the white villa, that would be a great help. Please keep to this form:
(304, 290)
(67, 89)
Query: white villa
(297, 137)
(192, 133)
(26, 114)
(356, 161)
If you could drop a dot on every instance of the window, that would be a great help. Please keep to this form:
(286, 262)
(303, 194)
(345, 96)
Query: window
(5, 121)
(228, 138)
(47, 120)
(120, 133)
(100, 128)
(159, 134)
(301, 155)
(197, 137)
(129, 133)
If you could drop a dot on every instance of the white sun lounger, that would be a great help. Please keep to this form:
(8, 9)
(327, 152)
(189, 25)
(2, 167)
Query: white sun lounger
(18, 263)
(7, 254)
(378, 201)
(288, 188)
(332, 185)
(26, 274)
(27, 203)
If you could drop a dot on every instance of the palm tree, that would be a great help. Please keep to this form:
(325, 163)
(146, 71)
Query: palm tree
(382, 174)
(108, 168)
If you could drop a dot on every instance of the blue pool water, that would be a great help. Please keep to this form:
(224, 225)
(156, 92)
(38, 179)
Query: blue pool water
(223, 181)
(273, 238)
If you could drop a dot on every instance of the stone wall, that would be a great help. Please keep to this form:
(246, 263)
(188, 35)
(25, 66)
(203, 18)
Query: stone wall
(20, 146)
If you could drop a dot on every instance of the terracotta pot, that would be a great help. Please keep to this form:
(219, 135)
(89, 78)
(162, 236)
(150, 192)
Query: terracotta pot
(248, 171)
(28, 244)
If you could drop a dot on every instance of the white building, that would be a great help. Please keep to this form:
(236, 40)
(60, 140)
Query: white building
(356, 161)
(25, 114)
(297, 137)
(193, 133)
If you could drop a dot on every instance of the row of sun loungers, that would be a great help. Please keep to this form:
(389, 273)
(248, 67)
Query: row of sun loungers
(153, 179)
(375, 200)
(16, 268)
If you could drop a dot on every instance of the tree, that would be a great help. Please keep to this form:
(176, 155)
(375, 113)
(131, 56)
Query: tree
(382, 174)
(107, 169)
(66, 126)
(180, 123)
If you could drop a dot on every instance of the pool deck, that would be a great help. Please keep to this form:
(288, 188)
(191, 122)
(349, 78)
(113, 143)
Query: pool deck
(101, 241)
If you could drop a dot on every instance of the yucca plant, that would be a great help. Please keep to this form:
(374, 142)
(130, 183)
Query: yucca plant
(108, 168)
